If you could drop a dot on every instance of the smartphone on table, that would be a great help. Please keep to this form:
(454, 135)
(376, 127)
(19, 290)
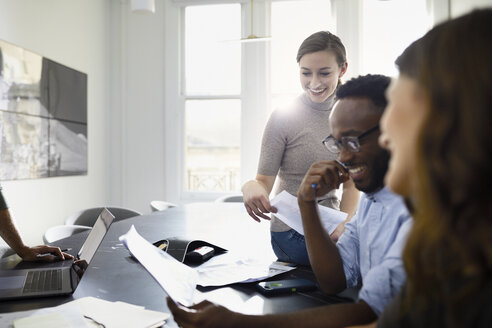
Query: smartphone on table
(285, 286)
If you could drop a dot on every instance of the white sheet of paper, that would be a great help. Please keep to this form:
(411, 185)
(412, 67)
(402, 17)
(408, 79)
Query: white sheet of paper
(178, 280)
(110, 314)
(64, 316)
(231, 268)
(290, 214)
(46, 320)
(119, 314)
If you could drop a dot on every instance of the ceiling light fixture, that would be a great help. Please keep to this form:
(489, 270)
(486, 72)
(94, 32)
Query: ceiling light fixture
(143, 6)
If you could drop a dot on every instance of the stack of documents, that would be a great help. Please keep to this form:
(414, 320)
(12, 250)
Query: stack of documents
(93, 312)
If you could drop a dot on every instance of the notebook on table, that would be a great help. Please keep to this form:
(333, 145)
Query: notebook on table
(51, 279)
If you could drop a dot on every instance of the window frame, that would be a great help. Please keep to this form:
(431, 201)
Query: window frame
(254, 101)
(175, 97)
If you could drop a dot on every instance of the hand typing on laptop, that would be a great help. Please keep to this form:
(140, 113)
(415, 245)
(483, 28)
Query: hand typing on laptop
(43, 253)
(29, 280)
(9, 233)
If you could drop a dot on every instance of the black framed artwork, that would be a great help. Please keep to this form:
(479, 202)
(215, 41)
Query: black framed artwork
(43, 116)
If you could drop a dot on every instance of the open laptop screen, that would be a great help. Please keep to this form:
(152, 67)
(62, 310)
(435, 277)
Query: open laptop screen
(96, 235)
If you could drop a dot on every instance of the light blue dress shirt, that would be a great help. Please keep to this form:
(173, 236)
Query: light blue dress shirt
(372, 245)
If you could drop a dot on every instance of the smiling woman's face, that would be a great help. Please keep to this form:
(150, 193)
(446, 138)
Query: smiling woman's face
(400, 128)
(319, 74)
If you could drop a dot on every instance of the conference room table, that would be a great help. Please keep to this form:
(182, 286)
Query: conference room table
(114, 275)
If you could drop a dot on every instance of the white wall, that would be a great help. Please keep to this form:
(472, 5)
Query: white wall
(123, 55)
(138, 147)
(74, 33)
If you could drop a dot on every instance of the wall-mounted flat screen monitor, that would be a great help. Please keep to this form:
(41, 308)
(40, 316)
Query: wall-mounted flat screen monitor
(43, 116)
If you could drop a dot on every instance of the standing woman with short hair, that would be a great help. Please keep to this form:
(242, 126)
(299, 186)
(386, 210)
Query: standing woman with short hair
(437, 127)
(292, 142)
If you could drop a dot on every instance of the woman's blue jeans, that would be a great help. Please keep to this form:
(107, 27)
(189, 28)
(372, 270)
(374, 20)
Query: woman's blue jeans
(290, 246)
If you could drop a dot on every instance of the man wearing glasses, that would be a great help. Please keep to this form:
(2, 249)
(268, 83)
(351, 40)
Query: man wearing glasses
(369, 251)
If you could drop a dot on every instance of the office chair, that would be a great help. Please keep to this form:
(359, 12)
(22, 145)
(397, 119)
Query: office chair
(89, 216)
(160, 205)
(235, 198)
(5, 251)
(58, 232)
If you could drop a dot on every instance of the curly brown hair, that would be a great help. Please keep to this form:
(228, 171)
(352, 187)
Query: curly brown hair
(448, 256)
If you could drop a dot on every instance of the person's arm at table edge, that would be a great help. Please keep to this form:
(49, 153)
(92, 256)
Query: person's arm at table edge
(335, 315)
(12, 237)
(10, 234)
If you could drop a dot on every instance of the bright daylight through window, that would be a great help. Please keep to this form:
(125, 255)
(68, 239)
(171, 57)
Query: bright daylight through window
(388, 27)
(214, 85)
(212, 91)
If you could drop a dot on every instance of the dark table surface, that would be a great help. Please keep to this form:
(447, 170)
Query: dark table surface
(114, 275)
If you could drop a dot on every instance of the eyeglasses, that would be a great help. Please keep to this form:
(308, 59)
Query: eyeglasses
(352, 144)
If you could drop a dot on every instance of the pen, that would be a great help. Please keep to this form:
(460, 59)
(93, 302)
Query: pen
(314, 185)
(343, 165)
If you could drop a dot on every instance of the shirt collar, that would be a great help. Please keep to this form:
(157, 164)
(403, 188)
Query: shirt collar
(381, 195)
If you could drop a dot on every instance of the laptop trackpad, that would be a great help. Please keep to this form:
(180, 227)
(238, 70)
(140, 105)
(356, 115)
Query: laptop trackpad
(12, 282)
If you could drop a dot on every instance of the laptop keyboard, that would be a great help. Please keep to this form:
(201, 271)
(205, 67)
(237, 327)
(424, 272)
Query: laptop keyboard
(43, 280)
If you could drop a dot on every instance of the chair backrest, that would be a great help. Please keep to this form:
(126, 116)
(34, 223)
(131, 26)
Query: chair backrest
(62, 231)
(89, 216)
(160, 205)
(5, 251)
(236, 198)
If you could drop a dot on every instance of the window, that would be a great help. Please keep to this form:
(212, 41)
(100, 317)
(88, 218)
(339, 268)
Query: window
(388, 28)
(212, 97)
(228, 88)
(212, 82)
(212, 144)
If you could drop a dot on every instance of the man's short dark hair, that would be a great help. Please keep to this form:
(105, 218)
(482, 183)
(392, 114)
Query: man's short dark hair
(372, 86)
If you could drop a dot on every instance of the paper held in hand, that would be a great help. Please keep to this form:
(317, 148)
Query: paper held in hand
(290, 214)
(178, 280)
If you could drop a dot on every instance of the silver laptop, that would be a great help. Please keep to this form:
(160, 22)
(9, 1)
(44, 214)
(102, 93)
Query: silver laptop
(20, 279)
